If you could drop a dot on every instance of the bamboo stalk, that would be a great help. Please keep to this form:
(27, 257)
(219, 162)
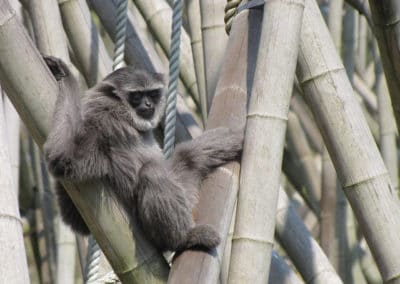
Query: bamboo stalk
(268, 111)
(335, 23)
(386, 26)
(328, 205)
(192, 10)
(158, 15)
(13, 265)
(31, 89)
(298, 145)
(51, 40)
(85, 40)
(218, 192)
(387, 131)
(213, 31)
(281, 272)
(301, 246)
(353, 151)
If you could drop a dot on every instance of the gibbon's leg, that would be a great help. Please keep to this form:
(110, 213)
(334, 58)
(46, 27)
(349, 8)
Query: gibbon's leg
(165, 215)
(193, 160)
(71, 150)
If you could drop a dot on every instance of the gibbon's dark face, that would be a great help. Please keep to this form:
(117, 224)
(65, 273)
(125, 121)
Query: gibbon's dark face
(145, 102)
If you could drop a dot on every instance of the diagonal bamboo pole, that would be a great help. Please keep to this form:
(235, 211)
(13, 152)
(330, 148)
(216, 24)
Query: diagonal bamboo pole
(264, 142)
(350, 144)
(32, 90)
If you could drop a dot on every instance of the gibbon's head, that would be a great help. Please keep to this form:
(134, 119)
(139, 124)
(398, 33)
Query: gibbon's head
(142, 92)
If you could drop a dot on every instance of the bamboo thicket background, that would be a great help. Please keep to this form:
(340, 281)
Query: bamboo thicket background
(315, 84)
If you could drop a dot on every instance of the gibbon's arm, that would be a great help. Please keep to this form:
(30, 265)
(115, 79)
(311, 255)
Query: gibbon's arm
(70, 150)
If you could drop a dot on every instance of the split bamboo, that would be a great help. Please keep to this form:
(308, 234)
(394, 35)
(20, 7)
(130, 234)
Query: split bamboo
(350, 144)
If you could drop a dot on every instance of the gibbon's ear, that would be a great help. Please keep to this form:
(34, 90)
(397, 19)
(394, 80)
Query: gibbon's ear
(109, 90)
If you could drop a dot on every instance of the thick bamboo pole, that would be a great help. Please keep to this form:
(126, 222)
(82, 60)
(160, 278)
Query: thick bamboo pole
(213, 31)
(353, 151)
(51, 40)
(32, 90)
(386, 23)
(335, 22)
(218, 193)
(13, 265)
(268, 112)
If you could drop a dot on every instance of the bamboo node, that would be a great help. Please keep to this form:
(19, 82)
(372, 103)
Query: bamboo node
(12, 217)
(252, 239)
(266, 115)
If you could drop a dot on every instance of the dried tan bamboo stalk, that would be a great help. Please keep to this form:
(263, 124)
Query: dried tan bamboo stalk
(51, 40)
(192, 10)
(353, 151)
(264, 142)
(214, 42)
(85, 40)
(387, 131)
(218, 192)
(386, 25)
(334, 22)
(299, 147)
(302, 249)
(31, 89)
(158, 15)
(13, 264)
(328, 205)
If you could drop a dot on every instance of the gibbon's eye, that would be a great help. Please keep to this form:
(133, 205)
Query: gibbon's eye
(135, 98)
(155, 94)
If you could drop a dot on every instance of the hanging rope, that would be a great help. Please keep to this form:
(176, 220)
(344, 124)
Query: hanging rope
(230, 12)
(170, 117)
(93, 261)
(94, 251)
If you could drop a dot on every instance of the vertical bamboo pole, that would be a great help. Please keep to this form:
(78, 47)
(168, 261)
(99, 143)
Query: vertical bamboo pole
(386, 16)
(213, 31)
(268, 111)
(31, 89)
(158, 15)
(218, 192)
(335, 22)
(13, 265)
(196, 38)
(353, 151)
(51, 40)
(85, 40)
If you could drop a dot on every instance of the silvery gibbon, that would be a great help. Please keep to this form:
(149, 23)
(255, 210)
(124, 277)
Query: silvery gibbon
(107, 134)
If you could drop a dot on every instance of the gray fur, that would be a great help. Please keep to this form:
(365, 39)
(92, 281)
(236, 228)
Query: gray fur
(100, 135)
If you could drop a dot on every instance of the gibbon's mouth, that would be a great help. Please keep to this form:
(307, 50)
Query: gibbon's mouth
(146, 113)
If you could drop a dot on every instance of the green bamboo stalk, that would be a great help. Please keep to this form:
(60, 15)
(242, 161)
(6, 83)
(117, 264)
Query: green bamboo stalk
(32, 90)
(355, 156)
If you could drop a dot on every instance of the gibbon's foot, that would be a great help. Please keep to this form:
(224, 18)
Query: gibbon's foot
(202, 237)
(56, 66)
